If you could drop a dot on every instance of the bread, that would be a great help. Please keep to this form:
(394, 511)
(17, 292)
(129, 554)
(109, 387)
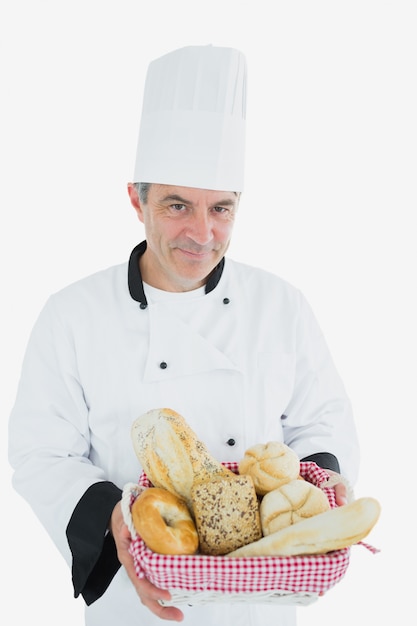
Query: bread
(333, 530)
(171, 454)
(291, 503)
(226, 514)
(271, 465)
(164, 523)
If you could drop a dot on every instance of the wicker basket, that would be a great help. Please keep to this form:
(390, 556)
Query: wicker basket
(200, 579)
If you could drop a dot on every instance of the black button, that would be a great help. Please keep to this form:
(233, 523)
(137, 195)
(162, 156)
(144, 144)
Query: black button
(231, 442)
(143, 305)
(163, 365)
(226, 300)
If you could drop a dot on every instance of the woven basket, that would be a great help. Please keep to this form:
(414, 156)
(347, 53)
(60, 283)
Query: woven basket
(201, 579)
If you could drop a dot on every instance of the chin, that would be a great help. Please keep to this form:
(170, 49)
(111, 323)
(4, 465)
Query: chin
(191, 280)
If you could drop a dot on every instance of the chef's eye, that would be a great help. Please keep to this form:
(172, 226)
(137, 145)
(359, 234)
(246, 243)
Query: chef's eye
(178, 207)
(220, 209)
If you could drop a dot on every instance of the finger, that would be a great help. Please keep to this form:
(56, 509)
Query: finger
(171, 613)
(152, 596)
(341, 494)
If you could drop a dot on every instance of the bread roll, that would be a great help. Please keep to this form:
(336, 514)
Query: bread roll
(164, 522)
(271, 465)
(291, 503)
(333, 530)
(226, 514)
(171, 454)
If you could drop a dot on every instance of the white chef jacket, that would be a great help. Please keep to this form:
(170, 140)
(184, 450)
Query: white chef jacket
(243, 360)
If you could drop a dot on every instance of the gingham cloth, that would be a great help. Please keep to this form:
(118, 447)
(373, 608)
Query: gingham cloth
(202, 573)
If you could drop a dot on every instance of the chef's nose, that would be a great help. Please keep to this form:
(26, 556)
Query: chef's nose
(200, 227)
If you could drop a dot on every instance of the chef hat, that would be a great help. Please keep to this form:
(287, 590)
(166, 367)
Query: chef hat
(192, 130)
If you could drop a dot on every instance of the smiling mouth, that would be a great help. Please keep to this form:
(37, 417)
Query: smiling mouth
(194, 254)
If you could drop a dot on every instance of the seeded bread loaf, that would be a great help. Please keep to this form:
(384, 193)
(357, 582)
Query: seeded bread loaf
(226, 514)
(171, 454)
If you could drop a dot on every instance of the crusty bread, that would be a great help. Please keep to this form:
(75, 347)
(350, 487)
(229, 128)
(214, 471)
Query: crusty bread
(226, 514)
(291, 503)
(164, 523)
(271, 465)
(171, 454)
(333, 530)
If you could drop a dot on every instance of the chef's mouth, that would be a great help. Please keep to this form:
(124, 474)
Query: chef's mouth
(200, 253)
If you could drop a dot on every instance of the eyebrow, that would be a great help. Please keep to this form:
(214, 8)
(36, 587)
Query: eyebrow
(177, 198)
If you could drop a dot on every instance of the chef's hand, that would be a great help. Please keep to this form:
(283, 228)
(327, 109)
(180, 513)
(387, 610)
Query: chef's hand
(340, 490)
(147, 592)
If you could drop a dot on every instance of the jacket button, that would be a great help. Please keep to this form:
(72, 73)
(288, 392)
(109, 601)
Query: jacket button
(163, 365)
(226, 300)
(231, 442)
(143, 305)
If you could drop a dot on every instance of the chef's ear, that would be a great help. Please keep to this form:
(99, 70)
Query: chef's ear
(135, 200)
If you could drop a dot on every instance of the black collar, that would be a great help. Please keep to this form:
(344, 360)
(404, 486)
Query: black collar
(134, 277)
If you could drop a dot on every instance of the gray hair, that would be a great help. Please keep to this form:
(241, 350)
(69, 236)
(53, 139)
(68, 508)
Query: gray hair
(143, 190)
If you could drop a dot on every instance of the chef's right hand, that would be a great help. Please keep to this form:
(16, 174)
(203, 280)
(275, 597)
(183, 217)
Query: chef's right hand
(147, 592)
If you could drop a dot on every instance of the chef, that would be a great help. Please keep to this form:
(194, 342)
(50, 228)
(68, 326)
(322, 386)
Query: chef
(234, 349)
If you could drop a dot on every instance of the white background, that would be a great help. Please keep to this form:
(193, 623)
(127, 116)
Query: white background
(329, 204)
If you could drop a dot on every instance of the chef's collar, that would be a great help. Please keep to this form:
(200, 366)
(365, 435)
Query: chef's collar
(135, 282)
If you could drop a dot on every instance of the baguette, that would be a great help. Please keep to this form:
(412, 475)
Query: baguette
(171, 454)
(332, 530)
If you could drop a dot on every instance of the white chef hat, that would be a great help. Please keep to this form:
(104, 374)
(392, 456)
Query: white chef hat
(192, 130)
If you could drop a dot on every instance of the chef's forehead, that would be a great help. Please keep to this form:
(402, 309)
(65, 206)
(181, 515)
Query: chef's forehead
(182, 192)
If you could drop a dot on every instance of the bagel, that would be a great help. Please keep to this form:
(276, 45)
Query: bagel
(164, 522)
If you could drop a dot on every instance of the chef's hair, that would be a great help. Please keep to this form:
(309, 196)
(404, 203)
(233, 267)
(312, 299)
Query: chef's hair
(143, 190)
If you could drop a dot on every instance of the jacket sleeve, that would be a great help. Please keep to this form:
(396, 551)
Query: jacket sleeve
(318, 419)
(49, 436)
(94, 556)
(326, 460)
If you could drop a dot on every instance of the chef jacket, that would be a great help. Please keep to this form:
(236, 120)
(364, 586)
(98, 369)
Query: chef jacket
(242, 359)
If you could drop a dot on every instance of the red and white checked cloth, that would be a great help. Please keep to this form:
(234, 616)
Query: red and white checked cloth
(202, 573)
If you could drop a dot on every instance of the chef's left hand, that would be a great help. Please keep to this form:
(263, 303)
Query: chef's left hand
(339, 490)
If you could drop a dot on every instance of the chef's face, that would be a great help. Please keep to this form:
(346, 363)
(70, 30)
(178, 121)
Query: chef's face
(188, 231)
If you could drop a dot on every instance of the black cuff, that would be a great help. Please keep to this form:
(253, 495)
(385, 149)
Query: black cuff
(326, 460)
(95, 561)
